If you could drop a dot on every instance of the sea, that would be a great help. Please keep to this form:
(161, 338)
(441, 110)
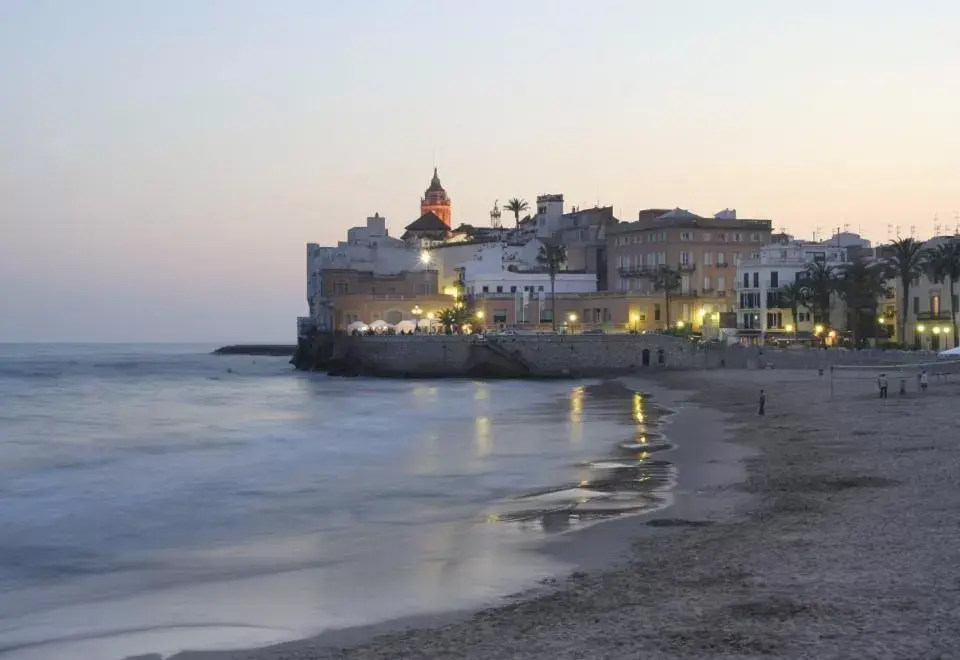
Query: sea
(157, 498)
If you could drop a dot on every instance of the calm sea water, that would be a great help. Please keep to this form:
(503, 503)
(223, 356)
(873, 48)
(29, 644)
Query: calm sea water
(157, 498)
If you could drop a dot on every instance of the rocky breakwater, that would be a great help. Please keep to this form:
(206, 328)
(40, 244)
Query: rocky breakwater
(518, 356)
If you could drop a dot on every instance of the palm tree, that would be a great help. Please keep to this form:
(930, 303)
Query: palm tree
(667, 280)
(453, 316)
(860, 285)
(791, 297)
(516, 206)
(943, 263)
(552, 256)
(818, 285)
(905, 262)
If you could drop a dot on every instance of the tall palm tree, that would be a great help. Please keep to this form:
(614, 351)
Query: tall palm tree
(552, 256)
(943, 263)
(818, 284)
(791, 297)
(860, 285)
(516, 206)
(666, 279)
(905, 262)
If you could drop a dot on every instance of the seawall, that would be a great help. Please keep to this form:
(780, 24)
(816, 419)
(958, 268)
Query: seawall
(560, 356)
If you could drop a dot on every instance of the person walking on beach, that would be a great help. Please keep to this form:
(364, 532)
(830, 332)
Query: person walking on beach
(882, 384)
(924, 380)
(763, 403)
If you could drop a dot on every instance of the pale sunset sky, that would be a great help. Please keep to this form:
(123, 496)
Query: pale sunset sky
(163, 162)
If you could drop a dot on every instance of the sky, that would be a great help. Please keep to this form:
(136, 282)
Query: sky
(164, 162)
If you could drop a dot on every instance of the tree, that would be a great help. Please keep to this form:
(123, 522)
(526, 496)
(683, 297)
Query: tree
(667, 280)
(516, 206)
(905, 262)
(818, 285)
(453, 316)
(860, 285)
(943, 263)
(552, 256)
(791, 297)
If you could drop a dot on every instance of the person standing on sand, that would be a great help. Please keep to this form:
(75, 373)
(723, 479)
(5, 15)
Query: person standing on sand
(882, 384)
(763, 403)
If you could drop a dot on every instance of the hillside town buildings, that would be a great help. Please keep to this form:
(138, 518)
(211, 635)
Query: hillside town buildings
(731, 273)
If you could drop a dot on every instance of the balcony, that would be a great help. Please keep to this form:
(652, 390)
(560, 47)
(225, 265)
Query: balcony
(935, 316)
(721, 294)
(686, 268)
(690, 293)
(637, 271)
(722, 264)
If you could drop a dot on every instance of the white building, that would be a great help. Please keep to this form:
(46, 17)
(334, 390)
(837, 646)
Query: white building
(760, 277)
(549, 214)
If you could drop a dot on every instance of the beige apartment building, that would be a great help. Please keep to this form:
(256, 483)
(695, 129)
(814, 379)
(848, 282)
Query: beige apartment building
(704, 250)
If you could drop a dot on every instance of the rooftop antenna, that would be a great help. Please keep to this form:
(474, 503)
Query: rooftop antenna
(816, 234)
(889, 232)
(846, 227)
(936, 225)
(896, 231)
(913, 231)
(956, 223)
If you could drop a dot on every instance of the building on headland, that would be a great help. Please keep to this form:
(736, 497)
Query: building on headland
(760, 278)
(705, 251)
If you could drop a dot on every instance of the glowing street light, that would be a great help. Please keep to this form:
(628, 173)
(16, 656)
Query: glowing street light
(479, 314)
(416, 311)
(425, 257)
(635, 321)
(789, 327)
(679, 325)
(936, 330)
(921, 328)
(572, 317)
(818, 329)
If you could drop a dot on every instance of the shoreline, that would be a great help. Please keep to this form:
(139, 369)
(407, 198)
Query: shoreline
(846, 549)
(600, 545)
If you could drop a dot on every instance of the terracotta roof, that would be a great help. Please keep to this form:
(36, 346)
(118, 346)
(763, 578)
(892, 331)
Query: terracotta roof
(429, 221)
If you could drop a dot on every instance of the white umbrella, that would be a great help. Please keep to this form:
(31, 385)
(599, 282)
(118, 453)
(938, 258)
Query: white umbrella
(405, 326)
(379, 326)
(359, 326)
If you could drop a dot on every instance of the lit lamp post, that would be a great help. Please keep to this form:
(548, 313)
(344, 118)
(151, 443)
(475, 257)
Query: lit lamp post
(790, 328)
(635, 322)
(416, 311)
(920, 330)
(479, 316)
(572, 319)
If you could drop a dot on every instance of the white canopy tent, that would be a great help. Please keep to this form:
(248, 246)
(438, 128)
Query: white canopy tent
(380, 326)
(405, 326)
(357, 326)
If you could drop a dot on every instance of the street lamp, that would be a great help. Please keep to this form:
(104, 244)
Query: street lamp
(416, 311)
(425, 257)
(635, 322)
(480, 314)
(572, 318)
(679, 325)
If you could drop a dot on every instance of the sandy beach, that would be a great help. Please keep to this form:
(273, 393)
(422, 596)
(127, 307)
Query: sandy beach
(841, 541)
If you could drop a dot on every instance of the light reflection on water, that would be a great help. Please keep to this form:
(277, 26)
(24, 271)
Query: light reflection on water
(164, 491)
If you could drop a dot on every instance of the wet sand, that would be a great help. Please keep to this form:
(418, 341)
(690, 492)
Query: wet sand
(847, 546)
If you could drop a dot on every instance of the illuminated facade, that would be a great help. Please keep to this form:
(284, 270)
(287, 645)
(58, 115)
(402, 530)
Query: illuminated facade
(436, 201)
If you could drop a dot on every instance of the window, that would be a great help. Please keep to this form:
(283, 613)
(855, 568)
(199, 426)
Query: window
(706, 283)
(499, 289)
(686, 236)
(803, 317)
(953, 304)
(606, 315)
(340, 288)
(774, 280)
(685, 258)
(708, 258)
(916, 304)
(722, 282)
(755, 237)
(707, 235)
(774, 320)
(737, 237)
(746, 280)
(540, 288)
(546, 315)
(656, 311)
(756, 280)
(721, 259)
(513, 289)
(486, 289)
(500, 315)
(662, 259)
(935, 304)
(685, 311)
